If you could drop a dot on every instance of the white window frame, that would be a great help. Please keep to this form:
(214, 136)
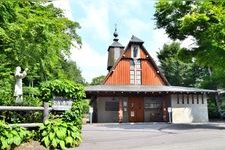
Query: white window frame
(135, 72)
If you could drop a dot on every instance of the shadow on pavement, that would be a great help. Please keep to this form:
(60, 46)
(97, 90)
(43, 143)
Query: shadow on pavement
(159, 126)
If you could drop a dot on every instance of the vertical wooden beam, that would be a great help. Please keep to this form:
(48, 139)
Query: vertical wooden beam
(120, 111)
(46, 111)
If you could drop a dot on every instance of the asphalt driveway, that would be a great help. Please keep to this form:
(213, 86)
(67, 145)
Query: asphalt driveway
(153, 136)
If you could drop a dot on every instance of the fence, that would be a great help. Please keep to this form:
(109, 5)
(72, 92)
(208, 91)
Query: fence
(45, 110)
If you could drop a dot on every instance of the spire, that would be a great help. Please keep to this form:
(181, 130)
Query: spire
(115, 50)
(115, 34)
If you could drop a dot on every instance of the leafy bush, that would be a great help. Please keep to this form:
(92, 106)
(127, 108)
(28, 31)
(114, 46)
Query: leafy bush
(65, 131)
(13, 117)
(86, 107)
(6, 94)
(31, 101)
(12, 136)
(212, 109)
(31, 91)
(74, 115)
(64, 88)
(59, 134)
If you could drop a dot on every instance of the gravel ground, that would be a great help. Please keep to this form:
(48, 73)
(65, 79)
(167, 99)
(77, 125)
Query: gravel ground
(32, 145)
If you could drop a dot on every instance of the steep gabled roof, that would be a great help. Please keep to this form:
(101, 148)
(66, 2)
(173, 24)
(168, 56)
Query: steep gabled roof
(138, 41)
(155, 66)
(134, 39)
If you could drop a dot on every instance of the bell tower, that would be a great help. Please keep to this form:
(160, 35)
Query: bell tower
(115, 50)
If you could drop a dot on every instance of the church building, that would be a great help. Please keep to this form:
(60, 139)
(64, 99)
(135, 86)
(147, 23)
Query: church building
(134, 90)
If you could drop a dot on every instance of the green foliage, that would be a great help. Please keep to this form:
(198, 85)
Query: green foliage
(14, 117)
(98, 80)
(212, 109)
(180, 71)
(75, 114)
(59, 134)
(12, 136)
(31, 101)
(38, 36)
(86, 106)
(72, 72)
(64, 88)
(204, 21)
(69, 90)
(31, 91)
(6, 81)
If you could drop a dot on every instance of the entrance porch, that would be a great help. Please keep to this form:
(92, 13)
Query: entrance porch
(131, 109)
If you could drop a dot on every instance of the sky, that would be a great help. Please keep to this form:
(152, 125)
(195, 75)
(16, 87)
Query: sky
(97, 19)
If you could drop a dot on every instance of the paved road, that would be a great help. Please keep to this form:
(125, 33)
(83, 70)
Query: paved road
(153, 136)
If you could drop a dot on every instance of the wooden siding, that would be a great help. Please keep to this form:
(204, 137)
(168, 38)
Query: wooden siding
(142, 54)
(121, 73)
(128, 53)
(149, 74)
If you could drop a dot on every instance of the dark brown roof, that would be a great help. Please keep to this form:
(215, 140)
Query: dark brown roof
(145, 88)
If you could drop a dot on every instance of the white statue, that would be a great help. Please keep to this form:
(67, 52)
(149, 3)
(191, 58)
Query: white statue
(18, 90)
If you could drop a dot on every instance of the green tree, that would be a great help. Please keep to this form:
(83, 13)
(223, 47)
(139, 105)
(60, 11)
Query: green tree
(72, 72)
(36, 35)
(205, 22)
(177, 71)
(98, 80)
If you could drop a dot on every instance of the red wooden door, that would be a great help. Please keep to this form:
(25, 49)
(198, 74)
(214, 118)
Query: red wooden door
(136, 109)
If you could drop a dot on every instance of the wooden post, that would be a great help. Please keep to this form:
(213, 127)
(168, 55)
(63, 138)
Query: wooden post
(120, 112)
(46, 111)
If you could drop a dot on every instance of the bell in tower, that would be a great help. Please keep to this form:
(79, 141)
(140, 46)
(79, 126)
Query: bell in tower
(115, 50)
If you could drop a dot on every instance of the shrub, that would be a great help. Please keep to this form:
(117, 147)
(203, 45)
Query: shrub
(212, 109)
(74, 115)
(31, 91)
(31, 101)
(64, 131)
(12, 136)
(86, 107)
(64, 88)
(59, 134)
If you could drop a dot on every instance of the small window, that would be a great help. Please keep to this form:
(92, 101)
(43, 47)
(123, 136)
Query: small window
(138, 82)
(131, 81)
(111, 106)
(138, 77)
(132, 72)
(138, 73)
(132, 64)
(135, 52)
(132, 77)
(135, 71)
